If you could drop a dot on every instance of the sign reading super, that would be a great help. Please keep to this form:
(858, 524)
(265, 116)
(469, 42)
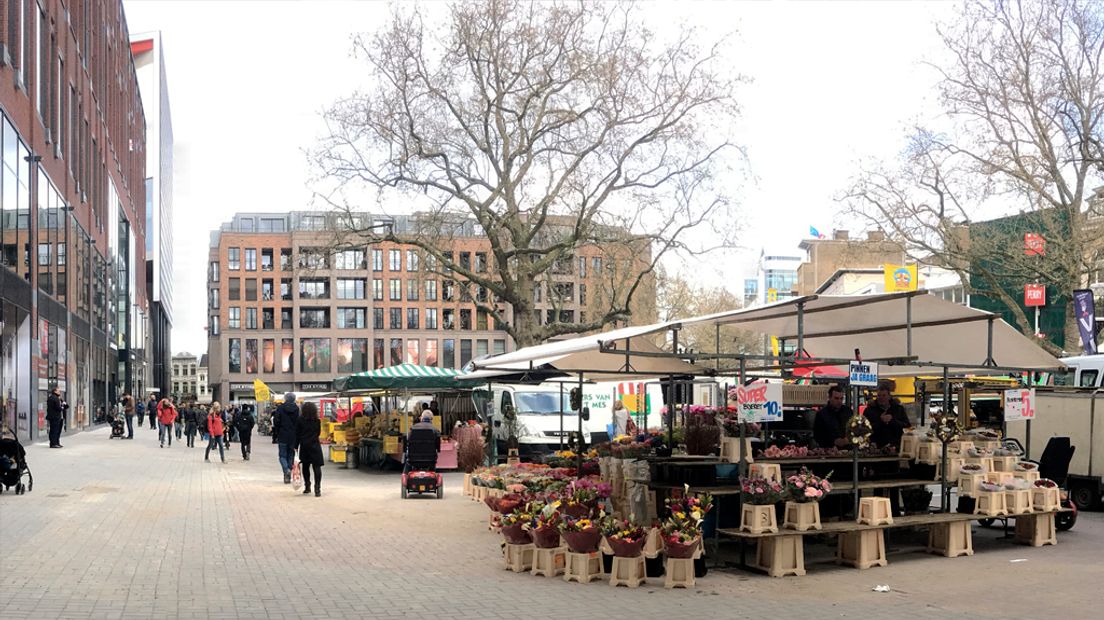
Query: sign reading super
(863, 373)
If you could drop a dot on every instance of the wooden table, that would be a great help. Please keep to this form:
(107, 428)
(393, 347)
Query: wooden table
(828, 460)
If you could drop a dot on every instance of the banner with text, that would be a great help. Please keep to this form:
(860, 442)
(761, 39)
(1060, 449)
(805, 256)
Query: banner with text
(863, 373)
(759, 402)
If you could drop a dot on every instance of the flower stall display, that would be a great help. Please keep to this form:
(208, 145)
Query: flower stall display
(802, 452)
(625, 539)
(804, 492)
(990, 499)
(1026, 470)
(582, 497)
(515, 526)
(545, 527)
(580, 533)
(682, 529)
(1045, 495)
(969, 478)
(759, 496)
(1017, 496)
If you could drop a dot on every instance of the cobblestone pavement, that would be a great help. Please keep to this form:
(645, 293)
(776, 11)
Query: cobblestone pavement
(124, 529)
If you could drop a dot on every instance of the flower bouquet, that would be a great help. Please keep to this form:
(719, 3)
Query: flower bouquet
(681, 531)
(858, 431)
(545, 527)
(805, 487)
(581, 534)
(1016, 484)
(760, 491)
(972, 468)
(979, 452)
(990, 487)
(1045, 483)
(625, 539)
(582, 497)
(1026, 466)
(515, 527)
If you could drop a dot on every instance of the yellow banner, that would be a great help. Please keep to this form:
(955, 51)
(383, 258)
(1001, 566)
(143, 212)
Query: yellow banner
(900, 278)
(261, 391)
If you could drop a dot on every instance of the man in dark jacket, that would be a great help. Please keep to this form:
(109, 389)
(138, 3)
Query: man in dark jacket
(151, 409)
(244, 423)
(830, 425)
(887, 419)
(285, 426)
(55, 412)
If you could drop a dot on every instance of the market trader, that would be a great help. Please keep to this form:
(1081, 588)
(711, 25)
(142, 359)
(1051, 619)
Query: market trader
(887, 419)
(830, 425)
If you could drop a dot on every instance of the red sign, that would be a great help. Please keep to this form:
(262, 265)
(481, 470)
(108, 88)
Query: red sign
(1034, 244)
(1034, 295)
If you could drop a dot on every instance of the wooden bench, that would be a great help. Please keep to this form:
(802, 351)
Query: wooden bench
(863, 546)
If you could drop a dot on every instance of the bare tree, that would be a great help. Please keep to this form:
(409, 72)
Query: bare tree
(1024, 97)
(680, 298)
(553, 128)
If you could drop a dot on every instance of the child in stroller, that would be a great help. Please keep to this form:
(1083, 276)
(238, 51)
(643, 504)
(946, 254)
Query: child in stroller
(118, 425)
(13, 465)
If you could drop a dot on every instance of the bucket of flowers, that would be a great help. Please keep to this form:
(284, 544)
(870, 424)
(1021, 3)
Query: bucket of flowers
(625, 539)
(804, 491)
(581, 534)
(515, 526)
(582, 497)
(1026, 466)
(545, 527)
(682, 530)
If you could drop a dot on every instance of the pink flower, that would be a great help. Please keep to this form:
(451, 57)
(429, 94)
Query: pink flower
(811, 492)
(799, 484)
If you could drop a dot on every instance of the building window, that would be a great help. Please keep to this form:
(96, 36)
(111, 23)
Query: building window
(394, 259)
(396, 290)
(266, 289)
(596, 265)
(448, 291)
(313, 258)
(233, 259)
(465, 319)
(396, 351)
(499, 347)
(481, 320)
(465, 260)
(465, 352)
(562, 292)
(582, 294)
(287, 353)
(235, 355)
(582, 266)
(412, 356)
(377, 318)
(412, 318)
(214, 272)
(266, 259)
(285, 318)
(395, 318)
(251, 289)
(285, 289)
(430, 358)
(234, 320)
(411, 260)
(352, 354)
(251, 318)
(250, 259)
(268, 318)
(430, 262)
(314, 288)
(481, 294)
(481, 262)
(351, 288)
(314, 318)
(314, 355)
(268, 355)
(235, 289)
(350, 318)
(285, 259)
(349, 259)
(448, 353)
(214, 325)
(537, 288)
(431, 290)
(213, 300)
(377, 290)
(431, 318)
(246, 224)
(412, 290)
(481, 348)
(272, 224)
(251, 356)
(377, 260)
(448, 318)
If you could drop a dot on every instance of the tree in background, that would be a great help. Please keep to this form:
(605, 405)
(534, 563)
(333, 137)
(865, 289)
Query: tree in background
(680, 298)
(550, 128)
(1023, 93)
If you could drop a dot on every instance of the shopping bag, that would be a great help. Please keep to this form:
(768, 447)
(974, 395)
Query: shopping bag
(296, 477)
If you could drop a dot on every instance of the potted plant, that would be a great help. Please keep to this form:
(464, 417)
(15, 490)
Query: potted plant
(581, 534)
(759, 495)
(682, 530)
(804, 492)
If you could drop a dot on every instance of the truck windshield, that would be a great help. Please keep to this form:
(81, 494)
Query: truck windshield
(544, 403)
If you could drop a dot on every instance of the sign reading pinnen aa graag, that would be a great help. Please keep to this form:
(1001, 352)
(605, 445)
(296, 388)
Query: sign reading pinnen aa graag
(759, 402)
(863, 373)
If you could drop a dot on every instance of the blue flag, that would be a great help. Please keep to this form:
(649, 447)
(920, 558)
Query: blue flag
(816, 233)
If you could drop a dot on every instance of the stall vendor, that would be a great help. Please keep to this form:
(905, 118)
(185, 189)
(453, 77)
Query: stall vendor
(830, 425)
(887, 418)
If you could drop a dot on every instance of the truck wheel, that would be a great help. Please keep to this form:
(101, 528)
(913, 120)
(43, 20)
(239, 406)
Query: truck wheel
(1085, 496)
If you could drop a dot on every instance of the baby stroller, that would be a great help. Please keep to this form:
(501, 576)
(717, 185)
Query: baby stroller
(420, 469)
(118, 426)
(13, 466)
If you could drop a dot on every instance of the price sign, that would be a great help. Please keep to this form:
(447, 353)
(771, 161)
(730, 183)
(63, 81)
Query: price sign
(759, 402)
(863, 373)
(1019, 404)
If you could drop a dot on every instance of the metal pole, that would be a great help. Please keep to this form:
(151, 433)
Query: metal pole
(561, 417)
(800, 328)
(742, 465)
(582, 444)
(944, 498)
(908, 325)
(717, 341)
(855, 453)
(989, 361)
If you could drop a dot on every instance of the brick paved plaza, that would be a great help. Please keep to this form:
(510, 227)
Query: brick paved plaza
(123, 529)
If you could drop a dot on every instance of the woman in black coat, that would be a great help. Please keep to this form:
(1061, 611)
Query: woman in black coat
(310, 450)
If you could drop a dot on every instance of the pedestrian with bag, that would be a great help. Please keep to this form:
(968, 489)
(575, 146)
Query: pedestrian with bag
(310, 449)
(128, 411)
(285, 430)
(166, 415)
(215, 429)
(55, 415)
(244, 423)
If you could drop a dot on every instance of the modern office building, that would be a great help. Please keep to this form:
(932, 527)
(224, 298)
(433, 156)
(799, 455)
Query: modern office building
(73, 307)
(149, 63)
(286, 308)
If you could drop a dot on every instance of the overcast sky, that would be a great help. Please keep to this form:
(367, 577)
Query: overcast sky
(834, 83)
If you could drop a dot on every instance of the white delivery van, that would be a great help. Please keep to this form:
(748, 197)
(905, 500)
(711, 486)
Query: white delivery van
(1084, 371)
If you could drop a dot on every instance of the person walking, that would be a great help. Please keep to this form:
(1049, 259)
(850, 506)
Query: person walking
(140, 412)
(55, 414)
(128, 411)
(244, 423)
(151, 409)
(166, 415)
(179, 422)
(310, 449)
(285, 430)
(214, 427)
(191, 422)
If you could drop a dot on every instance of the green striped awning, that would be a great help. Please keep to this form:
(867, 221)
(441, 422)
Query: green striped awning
(402, 376)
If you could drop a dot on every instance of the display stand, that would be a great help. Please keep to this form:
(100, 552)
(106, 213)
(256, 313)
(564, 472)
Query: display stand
(628, 572)
(679, 573)
(1043, 498)
(862, 549)
(583, 567)
(801, 516)
(781, 555)
(991, 504)
(875, 511)
(1036, 530)
(768, 471)
(951, 539)
(519, 558)
(758, 519)
(549, 562)
(1018, 501)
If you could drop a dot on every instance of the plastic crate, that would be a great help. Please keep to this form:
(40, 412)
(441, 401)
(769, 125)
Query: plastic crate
(337, 454)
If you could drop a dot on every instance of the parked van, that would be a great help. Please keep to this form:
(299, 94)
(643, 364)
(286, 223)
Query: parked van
(1084, 371)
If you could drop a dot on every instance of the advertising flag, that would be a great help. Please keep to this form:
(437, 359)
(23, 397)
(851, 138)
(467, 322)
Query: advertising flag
(261, 391)
(1084, 310)
(900, 278)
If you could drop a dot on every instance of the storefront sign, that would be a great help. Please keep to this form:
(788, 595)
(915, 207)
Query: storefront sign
(1019, 404)
(1034, 295)
(863, 373)
(759, 402)
(241, 387)
(315, 387)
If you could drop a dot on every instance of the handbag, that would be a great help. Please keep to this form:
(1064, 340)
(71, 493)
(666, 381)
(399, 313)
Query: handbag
(296, 477)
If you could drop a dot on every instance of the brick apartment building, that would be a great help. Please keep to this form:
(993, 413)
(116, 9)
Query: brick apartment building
(285, 307)
(73, 308)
